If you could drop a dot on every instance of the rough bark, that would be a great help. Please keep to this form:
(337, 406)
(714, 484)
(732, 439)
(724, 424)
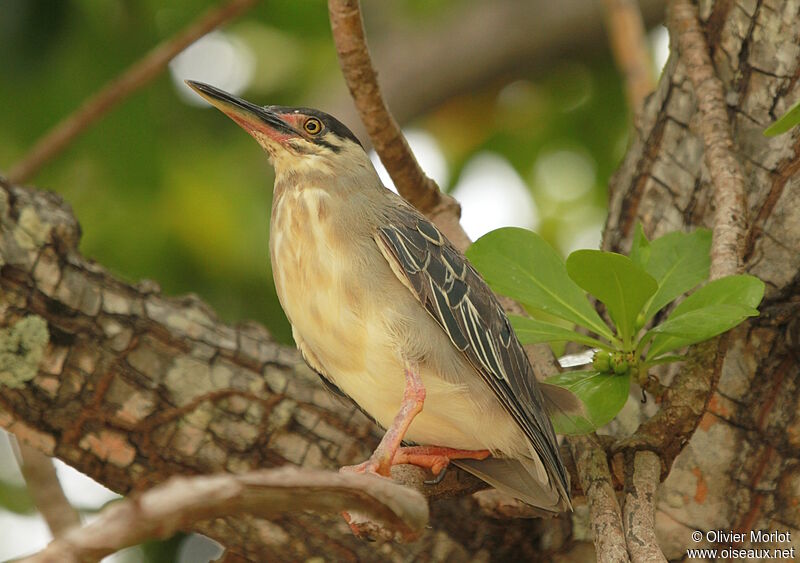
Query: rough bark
(740, 470)
(642, 475)
(605, 514)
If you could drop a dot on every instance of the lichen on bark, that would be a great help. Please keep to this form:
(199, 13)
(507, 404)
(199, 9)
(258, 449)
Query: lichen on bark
(22, 346)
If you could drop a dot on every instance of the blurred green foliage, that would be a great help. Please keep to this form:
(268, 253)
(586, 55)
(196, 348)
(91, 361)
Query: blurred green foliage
(16, 498)
(177, 193)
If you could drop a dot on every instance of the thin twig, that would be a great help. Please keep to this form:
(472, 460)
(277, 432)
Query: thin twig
(182, 501)
(351, 45)
(604, 511)
(629, 47)
(43, 485)
(642, 475)
(727, 246)
(136, 76)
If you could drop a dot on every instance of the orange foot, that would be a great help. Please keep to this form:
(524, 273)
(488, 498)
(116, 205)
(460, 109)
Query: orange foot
(434, 458)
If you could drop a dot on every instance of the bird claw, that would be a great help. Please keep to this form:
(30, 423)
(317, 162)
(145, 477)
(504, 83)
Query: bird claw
(437, 477)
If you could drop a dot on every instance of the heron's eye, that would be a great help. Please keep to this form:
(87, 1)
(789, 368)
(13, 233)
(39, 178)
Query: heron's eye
(312, 126)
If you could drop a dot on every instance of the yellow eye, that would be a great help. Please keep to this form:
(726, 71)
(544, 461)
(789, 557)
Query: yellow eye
(312, 126)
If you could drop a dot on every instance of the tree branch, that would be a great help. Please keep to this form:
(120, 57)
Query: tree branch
(682, 406)
(665, 183)
(351, 46)
(604, 511)
(182, 502)
(642, 475)
(730, 215)
(136, 76)
(628, 44)
(347, 27)
(45, 488)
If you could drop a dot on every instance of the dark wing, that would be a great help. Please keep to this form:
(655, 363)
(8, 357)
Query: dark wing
(459, 300)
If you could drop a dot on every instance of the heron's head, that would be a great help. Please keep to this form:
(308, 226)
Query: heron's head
(296, 139)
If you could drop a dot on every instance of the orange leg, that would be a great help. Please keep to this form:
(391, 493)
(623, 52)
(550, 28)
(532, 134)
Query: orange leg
(380, 461)
(390, 453)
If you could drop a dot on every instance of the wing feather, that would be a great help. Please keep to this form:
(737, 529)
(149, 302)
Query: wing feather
(456, 296)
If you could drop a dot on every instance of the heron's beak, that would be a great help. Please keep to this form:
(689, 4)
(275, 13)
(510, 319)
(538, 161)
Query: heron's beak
(252, 118)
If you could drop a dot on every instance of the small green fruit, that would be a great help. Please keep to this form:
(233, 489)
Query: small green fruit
(619, 363)
(602, 361)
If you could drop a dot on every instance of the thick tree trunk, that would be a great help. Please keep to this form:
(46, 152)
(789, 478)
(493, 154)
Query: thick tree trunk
(135, 387)
(741, 469)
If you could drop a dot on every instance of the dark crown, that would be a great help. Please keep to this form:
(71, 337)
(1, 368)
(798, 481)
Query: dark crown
(331, 123)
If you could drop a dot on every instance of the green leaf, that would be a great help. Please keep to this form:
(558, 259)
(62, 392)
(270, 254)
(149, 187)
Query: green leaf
(616, 281)
(742, 292)
(740, 289)
(706, 322)
(602, 394)
(678, 262)
(785, 122)
(640, 248)
(533, 331)
(696, 326)
(520, 264)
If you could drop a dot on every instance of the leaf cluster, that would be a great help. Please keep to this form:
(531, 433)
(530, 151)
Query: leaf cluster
(633, 289)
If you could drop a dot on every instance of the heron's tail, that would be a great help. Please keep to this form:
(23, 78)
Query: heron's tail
(520, 478)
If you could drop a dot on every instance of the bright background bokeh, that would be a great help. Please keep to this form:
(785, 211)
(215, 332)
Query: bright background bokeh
(168, 189)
